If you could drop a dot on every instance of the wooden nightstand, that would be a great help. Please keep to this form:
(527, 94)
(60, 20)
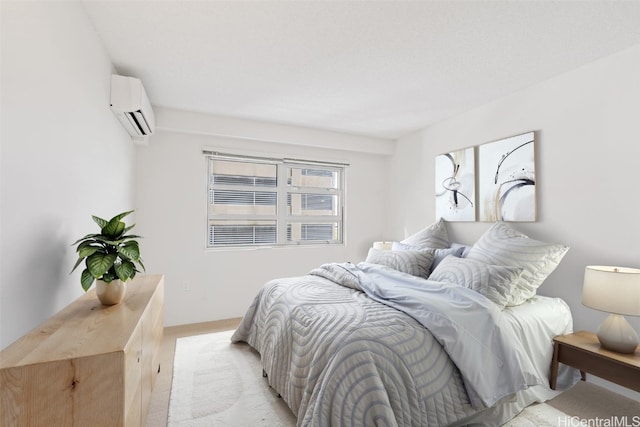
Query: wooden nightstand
(582, 351)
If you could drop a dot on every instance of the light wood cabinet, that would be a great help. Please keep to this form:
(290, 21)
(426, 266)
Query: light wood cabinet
(89, 364)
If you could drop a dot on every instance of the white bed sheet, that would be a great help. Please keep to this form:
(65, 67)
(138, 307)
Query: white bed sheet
(535, 322)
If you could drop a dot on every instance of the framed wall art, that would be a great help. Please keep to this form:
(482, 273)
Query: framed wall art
(507, 179)
(455, 185)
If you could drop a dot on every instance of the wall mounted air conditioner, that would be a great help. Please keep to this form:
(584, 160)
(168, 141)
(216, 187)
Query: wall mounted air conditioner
(131, 106)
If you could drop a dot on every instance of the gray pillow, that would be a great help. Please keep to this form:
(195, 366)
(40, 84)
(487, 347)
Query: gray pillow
(434, 236)
(503, 245)
(465, 249)
(416, 263)
(496, 282)
(439, 254)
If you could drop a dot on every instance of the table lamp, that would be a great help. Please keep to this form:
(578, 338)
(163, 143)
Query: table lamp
(383, 245)
(615, 290)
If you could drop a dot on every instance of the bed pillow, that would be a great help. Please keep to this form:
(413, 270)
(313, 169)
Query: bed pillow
(503, 245)
(416, 263)
(434, 236)
(496, 282)
(464, 249)
(438, 256)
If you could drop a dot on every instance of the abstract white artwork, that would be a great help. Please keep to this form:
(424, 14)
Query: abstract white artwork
(455, 186)
(507, 179)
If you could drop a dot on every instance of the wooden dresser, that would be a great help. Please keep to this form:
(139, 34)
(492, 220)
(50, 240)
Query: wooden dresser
(89, 364)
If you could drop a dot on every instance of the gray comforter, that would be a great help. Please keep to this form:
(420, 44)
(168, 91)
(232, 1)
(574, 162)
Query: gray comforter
(339, 357)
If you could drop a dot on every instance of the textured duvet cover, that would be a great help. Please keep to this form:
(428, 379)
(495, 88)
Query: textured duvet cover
(337, 357)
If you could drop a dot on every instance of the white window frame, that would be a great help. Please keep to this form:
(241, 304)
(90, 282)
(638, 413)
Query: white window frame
(282, 217)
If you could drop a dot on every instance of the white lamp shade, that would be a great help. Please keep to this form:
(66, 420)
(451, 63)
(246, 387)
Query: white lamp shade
(612, 289)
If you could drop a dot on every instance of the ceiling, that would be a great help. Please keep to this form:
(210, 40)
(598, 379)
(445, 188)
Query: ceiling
(374, 68)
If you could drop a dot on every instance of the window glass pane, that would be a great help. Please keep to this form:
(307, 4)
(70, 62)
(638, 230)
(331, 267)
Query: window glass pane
(313, 232)
(237, 202)
(222, 232)
(312, 178)
(225, 172)
(312, 204)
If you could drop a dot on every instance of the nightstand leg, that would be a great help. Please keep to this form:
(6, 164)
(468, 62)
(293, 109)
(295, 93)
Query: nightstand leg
(554, 367)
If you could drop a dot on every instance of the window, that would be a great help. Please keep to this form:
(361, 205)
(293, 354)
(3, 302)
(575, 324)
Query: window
(257, 201)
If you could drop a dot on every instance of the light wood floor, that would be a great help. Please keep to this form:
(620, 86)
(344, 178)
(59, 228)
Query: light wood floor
(585, 400)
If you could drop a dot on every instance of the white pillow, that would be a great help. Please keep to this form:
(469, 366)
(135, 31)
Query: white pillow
(434, 236)
(503, 245)
(416, 263)
(496, 282)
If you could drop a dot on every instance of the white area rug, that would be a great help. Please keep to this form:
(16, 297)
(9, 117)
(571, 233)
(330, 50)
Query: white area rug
(541, 415)
(217, 383)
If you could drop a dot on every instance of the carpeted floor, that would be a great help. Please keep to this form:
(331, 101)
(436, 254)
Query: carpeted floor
(243, 398)
(596, 404)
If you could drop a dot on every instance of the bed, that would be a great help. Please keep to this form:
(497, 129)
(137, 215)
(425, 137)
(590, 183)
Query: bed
(429, 334)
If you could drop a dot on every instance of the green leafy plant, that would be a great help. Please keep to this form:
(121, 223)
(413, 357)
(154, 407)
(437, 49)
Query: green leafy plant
(109, 255)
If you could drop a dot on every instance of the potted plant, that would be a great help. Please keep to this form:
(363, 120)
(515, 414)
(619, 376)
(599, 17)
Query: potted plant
(111, 258)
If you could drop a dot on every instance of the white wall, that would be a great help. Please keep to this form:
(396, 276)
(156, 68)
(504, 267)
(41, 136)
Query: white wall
(203, 285)
(63, 156)
(587, 153)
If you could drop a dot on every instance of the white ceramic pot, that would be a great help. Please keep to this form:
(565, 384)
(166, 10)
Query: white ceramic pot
(110, 293)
